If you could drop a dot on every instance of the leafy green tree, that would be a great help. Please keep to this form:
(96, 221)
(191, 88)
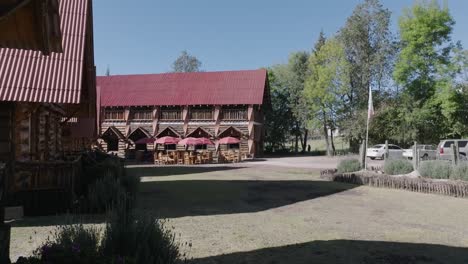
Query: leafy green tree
(186, 63)
(279, 117)
(327, 85)
(298, 72)
(425, 69)
(369, 46)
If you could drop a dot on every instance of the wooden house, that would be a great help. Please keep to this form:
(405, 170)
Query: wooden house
(30, 25)
(199, 104)
(41, 98)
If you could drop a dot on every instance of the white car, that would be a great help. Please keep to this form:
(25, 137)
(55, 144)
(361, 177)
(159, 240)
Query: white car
(445, 151)
(378, 151)
(425, 152)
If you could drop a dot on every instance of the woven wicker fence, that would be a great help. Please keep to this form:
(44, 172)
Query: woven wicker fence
(423, 185)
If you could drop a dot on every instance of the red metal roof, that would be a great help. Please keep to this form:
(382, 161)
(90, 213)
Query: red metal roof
(29, 76)
(196, 88)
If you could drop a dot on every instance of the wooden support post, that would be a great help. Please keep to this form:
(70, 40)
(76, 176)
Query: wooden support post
(4, 229)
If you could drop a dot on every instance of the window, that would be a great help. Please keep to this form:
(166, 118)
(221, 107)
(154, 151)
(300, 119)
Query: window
(201, 114)
(462, 144)
(142, 115)
(448, 144)
(171, 115)
(234, 114)
(114, 115)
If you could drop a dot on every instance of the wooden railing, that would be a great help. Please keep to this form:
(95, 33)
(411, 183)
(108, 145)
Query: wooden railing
(173, 115)
(201, 114)
(234, 114)
(43, 175)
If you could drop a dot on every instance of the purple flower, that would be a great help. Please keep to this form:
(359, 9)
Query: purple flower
(45, 250)
(75, 248)
(120, 260)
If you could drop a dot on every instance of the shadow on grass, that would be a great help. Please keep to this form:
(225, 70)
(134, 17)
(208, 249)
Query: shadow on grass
(161, 171)
(58, 220)
(169, 199)
(346, 251)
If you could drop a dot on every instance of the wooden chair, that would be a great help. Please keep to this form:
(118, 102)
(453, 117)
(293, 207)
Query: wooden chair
(156, 160)
(161, 159)
(180, 157)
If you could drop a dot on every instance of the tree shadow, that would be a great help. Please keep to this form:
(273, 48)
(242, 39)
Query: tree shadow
(170, 199)
(346, 251)
(55, 220)
(161, 171)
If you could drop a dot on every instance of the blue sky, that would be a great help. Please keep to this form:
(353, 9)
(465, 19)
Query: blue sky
(225, 35)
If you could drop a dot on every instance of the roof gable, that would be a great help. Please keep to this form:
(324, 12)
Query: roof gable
(30, 76)
(196, 88)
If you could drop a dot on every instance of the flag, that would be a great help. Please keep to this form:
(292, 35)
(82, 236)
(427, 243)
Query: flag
(370, 111)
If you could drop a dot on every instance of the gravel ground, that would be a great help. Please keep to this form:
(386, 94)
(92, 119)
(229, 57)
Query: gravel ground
(279, 211)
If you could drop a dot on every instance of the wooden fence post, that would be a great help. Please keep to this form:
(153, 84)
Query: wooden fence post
(386, 155)
(454, 154)
(362, 154)
(415, 156)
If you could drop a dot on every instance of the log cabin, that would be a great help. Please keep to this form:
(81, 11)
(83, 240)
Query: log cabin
(198, 104)
(42, 98)
(30, 25)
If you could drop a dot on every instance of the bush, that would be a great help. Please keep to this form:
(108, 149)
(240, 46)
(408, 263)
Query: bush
(72, 244)
(143, 238)
(460, 172)
(397, 166)
(104, 194)
(349, 165)
(127, 239)
(435, 169)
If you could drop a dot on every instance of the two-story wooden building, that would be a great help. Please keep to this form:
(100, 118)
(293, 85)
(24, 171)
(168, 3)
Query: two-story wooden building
(42, 96)
(199, 104)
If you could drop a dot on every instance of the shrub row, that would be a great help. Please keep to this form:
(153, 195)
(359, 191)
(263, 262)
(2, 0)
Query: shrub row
(348, 165)
(441, 169)
(397, 166)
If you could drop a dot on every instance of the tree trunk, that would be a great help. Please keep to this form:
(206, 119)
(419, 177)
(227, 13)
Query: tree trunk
(325, 132)
(304, 142)
(332, 143)
(296, 146)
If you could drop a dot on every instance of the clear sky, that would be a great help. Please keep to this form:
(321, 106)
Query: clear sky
(146, 36)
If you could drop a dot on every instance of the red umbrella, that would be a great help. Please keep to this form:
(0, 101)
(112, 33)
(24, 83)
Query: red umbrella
(190, 141)
(167, 140)
(145, 141)
(229, 140)
(206, 141)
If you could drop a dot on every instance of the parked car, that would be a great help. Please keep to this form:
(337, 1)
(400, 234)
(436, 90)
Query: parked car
(378, 151)
(425, 152)
(445, 152)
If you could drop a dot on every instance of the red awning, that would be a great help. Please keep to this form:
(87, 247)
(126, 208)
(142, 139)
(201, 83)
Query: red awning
(229, 140)
(167, 140)
(190, 141)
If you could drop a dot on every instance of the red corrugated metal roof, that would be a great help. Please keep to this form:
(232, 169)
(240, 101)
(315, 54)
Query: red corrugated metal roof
(196, 88)
(32, 77)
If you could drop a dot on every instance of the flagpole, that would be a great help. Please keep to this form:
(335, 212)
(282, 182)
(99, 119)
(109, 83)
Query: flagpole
(370, 108)
(367, 140)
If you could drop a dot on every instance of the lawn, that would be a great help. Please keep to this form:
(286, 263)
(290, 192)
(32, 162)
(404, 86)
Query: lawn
(256, 213)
